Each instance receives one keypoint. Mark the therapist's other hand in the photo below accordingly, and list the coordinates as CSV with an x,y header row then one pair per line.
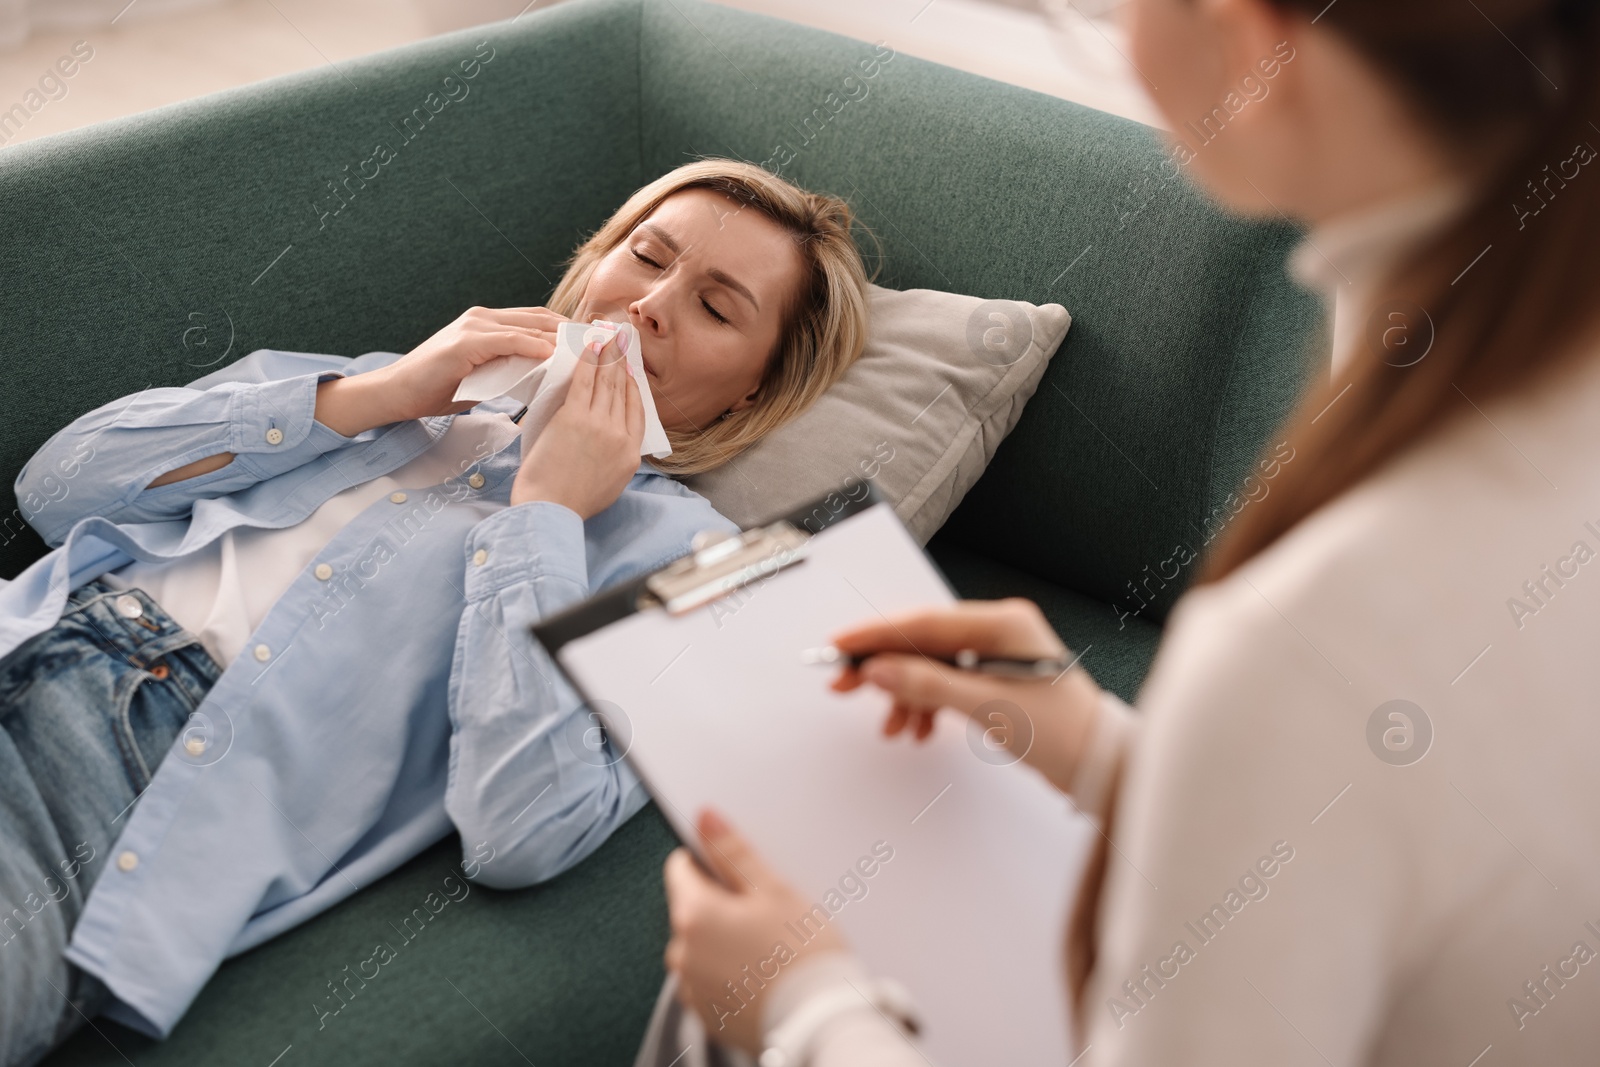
x,y
589,450
722,934
421,382
1055,715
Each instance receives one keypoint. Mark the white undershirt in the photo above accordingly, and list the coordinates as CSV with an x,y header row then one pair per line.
x,y
222,592
1346,261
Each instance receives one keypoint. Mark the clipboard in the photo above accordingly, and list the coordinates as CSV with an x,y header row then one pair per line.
x,y
947,865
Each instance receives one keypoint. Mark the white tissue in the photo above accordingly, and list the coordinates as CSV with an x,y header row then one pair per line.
x,y
542,383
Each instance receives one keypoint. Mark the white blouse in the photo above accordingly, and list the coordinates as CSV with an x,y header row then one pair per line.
x,y
1394,706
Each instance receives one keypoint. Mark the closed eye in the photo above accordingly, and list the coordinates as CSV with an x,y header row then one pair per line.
x,y
713,312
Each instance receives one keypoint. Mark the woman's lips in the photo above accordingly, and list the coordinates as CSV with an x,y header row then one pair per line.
x,y
648,369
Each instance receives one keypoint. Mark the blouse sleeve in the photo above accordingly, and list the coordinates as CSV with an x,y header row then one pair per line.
x,y
1244,920
530,772
261,408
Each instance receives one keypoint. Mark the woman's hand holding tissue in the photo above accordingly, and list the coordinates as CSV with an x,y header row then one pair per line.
x,y
420,383
584,458
423,381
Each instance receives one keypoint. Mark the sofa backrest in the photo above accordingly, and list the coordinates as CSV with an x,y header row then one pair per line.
x,y
1188,342
144,250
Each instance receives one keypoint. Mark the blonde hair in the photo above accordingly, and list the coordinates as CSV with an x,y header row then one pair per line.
x,y
824,325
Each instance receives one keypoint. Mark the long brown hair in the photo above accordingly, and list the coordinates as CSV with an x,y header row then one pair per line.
x,y
825,325
1511,289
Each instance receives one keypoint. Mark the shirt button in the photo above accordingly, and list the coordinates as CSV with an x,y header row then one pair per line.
x,y
397,498
274,436
480,557
263,653
475,480
127,861
323,572
128,606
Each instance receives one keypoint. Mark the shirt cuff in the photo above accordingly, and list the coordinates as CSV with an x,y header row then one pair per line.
x,y
1111,738
833,1002
275,429
806,978
538,539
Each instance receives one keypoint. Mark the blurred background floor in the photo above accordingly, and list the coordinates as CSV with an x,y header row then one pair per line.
x,y
148,53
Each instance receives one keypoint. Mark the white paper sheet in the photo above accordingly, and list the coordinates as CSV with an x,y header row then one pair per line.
x,y
542,384
718,710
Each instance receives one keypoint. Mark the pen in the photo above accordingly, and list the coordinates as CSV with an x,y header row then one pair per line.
x,y
966,659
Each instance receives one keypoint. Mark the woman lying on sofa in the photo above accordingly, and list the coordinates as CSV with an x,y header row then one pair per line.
x,y
281,644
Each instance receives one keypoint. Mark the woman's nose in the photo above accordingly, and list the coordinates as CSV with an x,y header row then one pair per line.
x,y
647,316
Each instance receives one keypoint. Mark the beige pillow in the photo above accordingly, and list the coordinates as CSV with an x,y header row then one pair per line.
x,y
942,381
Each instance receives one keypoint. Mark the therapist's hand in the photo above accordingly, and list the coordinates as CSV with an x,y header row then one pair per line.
x,y
718,932
589,450
1043,721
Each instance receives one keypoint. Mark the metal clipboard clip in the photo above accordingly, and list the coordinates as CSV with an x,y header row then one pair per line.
x,y
718,565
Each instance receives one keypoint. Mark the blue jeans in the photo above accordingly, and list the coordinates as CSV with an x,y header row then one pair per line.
x,y
88,709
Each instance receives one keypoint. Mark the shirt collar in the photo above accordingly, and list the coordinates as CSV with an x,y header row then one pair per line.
x,y
1344,258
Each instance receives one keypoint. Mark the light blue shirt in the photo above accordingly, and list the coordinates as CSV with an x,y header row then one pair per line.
x,y
370,713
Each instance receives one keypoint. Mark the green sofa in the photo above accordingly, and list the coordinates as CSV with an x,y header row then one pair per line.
x,y
142,251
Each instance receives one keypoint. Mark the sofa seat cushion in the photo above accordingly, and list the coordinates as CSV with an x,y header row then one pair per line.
x,y
563,973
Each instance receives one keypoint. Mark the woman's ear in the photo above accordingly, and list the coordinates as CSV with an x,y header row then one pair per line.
x,y
746,401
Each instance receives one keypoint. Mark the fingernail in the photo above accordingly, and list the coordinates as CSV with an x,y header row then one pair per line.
x,y
711,823
622,342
